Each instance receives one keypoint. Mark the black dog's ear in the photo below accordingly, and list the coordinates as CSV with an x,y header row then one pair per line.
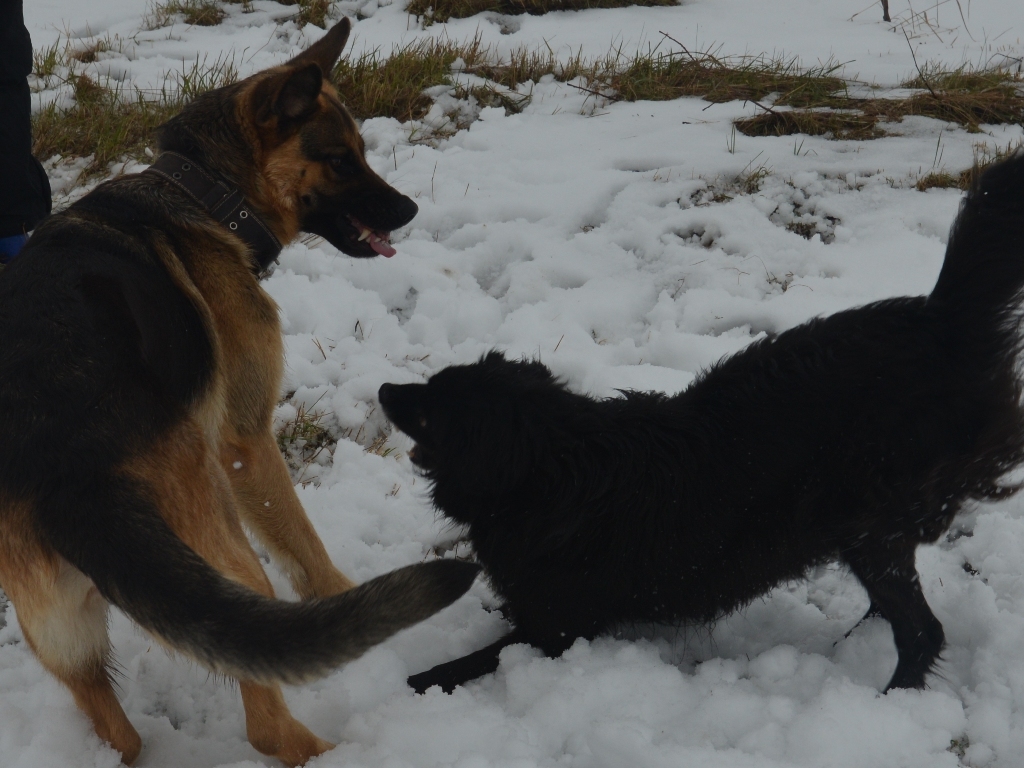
x,y
522,371
326,51
493,359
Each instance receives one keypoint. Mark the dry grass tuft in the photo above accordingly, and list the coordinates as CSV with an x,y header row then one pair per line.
x,y
751,178
47,62
442,10
374,85
201,13
664,76
90,53
302,439
315,12
109,122
941,180
965,96
525,65
379,446
984,156
969,98
821,102
833,124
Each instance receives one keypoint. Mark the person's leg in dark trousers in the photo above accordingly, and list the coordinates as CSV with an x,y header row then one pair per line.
x,y
24,188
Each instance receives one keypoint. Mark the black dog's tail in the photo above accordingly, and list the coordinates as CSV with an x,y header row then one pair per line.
x,y
981,282
139,564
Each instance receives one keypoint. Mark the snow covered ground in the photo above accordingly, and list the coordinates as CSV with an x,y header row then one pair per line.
x,y
612,242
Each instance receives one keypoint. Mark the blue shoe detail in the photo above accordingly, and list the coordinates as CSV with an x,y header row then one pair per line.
x,y
11,247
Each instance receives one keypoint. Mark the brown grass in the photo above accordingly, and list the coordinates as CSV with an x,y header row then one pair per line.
x,y
964,96
525,65
302,439
374,85
88,54
833,124
820,100
942,180
664,76
969,98
984,156
442,10
110,122
313,12
201,13
379,446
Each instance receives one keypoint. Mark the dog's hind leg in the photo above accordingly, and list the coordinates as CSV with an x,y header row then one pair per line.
x,y
64,620
269,725
196,499
894,587
269,505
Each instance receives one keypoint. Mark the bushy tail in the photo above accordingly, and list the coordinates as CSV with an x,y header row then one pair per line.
x,y
982,277
979,303
142,567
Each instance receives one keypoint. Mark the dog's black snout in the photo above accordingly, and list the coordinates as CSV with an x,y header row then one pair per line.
x,y
406,210
386,394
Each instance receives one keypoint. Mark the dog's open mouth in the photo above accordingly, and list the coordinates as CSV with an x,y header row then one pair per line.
x,y
378,242
419,456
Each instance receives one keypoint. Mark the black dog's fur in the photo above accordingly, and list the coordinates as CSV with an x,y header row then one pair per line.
x,y
854,437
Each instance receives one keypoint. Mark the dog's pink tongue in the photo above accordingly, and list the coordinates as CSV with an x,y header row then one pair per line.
x,y
381,246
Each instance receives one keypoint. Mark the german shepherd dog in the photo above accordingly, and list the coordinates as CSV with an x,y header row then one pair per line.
x,y
853,437
139,369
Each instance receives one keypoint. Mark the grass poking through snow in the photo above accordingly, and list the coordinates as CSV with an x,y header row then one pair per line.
x,y
201,13
313,12
664,76
442,10
303,439
984,156
110,122
375,85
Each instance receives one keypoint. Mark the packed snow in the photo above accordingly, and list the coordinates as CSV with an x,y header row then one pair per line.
x,y
613,242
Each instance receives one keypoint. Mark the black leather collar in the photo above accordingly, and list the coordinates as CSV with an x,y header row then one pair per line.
x,y
223,203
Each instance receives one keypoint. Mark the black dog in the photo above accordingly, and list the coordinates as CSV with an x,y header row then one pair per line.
x,y
854,437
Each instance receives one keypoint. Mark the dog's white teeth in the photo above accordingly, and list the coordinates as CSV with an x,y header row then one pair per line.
x,y
364,234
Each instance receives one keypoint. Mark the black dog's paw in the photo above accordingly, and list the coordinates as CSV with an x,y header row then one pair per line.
x,y
426,680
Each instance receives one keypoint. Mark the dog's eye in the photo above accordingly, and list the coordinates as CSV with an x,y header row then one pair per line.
x,y
342,165
423,421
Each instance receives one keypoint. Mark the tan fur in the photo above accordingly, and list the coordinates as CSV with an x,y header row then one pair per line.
x,y
286,174
217,469
203,495
290,175
64,620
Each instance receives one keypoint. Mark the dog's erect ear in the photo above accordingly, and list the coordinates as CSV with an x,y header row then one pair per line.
x,y
327,49
298,93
